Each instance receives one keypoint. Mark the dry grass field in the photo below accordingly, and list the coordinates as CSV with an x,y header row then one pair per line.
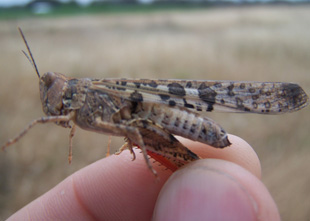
x,y
247,43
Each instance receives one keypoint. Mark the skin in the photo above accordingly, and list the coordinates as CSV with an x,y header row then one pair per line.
x,y
226,187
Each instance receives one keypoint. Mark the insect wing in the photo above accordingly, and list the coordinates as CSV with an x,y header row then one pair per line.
x,y
204,96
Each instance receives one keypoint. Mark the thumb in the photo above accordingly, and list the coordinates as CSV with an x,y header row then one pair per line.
x,y
214,190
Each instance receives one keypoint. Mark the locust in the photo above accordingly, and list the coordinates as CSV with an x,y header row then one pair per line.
x,y
149,113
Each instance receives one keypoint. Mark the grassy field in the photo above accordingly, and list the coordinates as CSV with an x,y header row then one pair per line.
x,y
257,43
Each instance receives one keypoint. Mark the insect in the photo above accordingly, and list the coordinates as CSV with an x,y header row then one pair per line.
x,y
148,113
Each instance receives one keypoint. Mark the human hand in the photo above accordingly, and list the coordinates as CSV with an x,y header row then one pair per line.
x,y
115,188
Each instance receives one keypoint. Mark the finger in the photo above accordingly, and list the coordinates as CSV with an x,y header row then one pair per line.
x,y
213,189
239,152
113,188
113,184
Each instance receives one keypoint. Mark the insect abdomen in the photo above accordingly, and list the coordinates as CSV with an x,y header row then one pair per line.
x,y
189,125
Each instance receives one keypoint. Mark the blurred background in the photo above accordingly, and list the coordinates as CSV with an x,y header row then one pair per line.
x,y
219,40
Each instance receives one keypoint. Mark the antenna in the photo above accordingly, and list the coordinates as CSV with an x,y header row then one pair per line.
x,y
31,59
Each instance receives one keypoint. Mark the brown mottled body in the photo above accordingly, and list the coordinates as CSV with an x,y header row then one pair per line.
x,y
150,112
147,125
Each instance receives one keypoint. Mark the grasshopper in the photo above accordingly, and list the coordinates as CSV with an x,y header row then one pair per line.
x,y
148,113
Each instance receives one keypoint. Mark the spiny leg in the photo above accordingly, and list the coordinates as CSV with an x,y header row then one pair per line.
x,y
132,134
130,148
123,147
41,120
138,140
72,131
117,128
136,136
162,146
127,145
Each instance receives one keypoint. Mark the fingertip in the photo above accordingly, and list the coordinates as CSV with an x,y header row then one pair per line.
x,y
239,152
214,190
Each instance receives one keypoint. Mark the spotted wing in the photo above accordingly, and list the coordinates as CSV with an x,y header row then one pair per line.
x,y
203,96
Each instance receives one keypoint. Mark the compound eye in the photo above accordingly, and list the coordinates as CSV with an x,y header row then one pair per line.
x,y
51,92
48,79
